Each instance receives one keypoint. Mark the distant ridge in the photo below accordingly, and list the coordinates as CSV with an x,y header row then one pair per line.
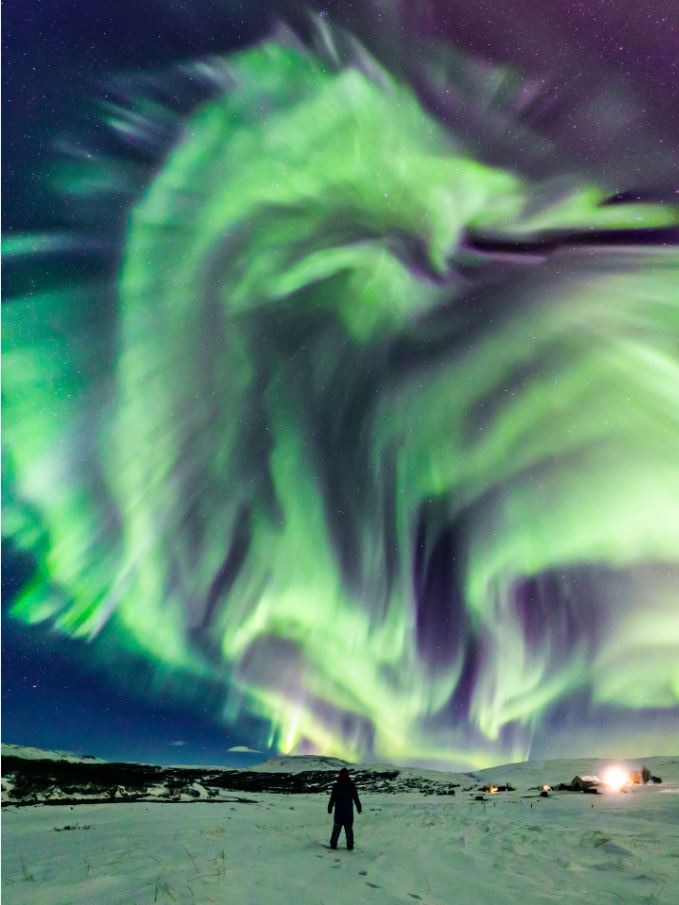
x,y
35,776
300,763
29,753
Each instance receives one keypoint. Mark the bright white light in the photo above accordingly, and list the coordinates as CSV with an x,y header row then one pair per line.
x,y
615,778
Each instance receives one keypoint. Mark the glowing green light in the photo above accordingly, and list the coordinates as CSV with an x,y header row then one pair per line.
x,y
305,222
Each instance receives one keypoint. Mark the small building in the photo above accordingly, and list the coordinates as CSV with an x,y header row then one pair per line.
x,y
581,783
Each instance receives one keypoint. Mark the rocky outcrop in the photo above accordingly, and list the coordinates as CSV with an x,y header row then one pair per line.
x,y
37,781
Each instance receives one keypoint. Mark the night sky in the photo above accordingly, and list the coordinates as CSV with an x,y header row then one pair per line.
x,y
341,380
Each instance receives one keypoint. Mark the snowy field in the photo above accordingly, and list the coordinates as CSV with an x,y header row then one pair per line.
x,y
569,848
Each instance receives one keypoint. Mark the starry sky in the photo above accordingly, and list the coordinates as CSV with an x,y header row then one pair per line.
x,y
341,368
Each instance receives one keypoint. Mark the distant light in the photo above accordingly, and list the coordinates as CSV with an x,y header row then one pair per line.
x,y
615,778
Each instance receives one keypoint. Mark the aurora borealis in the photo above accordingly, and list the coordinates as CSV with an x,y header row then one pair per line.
x,y
371,429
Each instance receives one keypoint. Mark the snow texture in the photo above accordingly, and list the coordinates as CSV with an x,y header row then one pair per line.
x,y
512,848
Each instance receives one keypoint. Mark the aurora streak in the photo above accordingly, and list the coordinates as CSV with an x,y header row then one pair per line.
x,y
379,438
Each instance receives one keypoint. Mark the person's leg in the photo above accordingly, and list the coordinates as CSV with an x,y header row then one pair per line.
x,y
336,827
349,830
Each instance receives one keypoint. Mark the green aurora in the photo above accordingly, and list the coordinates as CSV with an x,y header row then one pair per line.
x,y
319,370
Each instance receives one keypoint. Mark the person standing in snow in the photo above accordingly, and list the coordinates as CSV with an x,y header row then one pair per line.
x,y
343,798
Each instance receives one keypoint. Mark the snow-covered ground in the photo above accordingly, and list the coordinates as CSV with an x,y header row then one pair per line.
x,y
513,848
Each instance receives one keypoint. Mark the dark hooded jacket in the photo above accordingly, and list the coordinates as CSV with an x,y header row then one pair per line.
x,y
343,798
